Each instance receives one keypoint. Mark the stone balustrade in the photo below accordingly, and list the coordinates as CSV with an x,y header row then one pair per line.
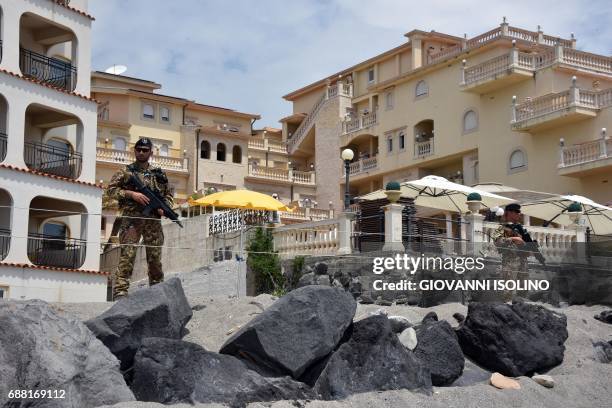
x,y
306,214
585,152
362,165
267,145
279,174
360,123
424,148
310,238
127,156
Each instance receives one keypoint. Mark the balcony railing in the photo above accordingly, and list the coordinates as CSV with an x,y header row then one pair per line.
x,y
554,102
53,71
48,250
268,145
362,122
5,242
424,148
3,146
585,152
306,214
287,175
362,165
127,156
52,160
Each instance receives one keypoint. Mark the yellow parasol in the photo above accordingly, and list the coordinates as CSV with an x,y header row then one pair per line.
x,y
245,199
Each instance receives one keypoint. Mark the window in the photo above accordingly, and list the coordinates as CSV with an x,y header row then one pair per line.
x,y
119,143
421,89
389,100
164,114
147,111
163,150
205,150
236,154
58,232
59,146
518,160
370,75
220,152
389,144
402,141
470,121
3,292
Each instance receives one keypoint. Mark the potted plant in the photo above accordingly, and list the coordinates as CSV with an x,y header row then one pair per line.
x,y
474,202
574,211
392,191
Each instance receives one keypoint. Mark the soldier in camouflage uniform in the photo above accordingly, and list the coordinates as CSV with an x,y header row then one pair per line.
x,y
134,224
509,244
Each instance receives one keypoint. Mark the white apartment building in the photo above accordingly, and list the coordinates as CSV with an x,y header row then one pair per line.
x,y
49,203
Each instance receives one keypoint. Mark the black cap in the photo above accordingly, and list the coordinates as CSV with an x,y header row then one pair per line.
x,y
514,207
144,142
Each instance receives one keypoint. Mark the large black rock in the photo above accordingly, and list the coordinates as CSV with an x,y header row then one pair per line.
x,y
439,351
175,371
299,329
515,340
373,359
161,310
41,349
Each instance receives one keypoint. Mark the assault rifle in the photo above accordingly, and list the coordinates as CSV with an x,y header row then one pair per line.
x,y
530,245
156,200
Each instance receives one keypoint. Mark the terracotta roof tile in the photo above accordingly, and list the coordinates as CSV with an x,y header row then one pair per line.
x,y
25,78
52,268
40,173
63,4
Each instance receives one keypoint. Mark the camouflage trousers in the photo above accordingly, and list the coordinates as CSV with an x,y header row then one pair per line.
x,y
513,268
130,232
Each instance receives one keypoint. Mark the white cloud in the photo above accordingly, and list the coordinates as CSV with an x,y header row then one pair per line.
x,y
245,54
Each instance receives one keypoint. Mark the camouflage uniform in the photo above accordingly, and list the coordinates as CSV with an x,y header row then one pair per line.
x,y
514,260
131,229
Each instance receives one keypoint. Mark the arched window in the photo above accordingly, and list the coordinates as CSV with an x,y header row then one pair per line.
x,y
205,149
220,152
517,159
236,154
470,121
119,143
421,89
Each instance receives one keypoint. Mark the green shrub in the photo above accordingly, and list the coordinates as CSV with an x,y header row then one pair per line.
x,y
265,263
297,270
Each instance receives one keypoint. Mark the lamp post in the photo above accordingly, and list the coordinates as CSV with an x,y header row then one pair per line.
x,y
347,156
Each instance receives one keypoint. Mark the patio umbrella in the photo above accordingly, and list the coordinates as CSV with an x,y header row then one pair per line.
x,y
437,192
598,217
244,199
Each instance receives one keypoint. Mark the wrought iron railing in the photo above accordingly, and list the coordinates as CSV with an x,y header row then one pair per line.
x,y
5,242
53,71
49,250
52,160
3,145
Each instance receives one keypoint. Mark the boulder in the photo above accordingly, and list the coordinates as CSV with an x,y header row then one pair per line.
x,y
603,351
320,268
323,280
605,316
409,338
515,340
439,351
399,323
176,371
458,317
306,280
299,329
161,310
41,349
373,359
430,317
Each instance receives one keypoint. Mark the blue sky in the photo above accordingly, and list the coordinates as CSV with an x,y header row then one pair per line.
x,y
246,55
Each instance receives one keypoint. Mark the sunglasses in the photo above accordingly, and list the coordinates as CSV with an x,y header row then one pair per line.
x,y
141,150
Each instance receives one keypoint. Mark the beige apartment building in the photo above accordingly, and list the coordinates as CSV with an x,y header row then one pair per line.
x,y
513,106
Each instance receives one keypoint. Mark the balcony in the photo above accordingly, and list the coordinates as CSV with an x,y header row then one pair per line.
x,y
501,71
52,71
560,108
424,148
49,250
52,160
124,157
360,123
585,158
282,176
3,146
5,242
362,166
301,214
268,145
